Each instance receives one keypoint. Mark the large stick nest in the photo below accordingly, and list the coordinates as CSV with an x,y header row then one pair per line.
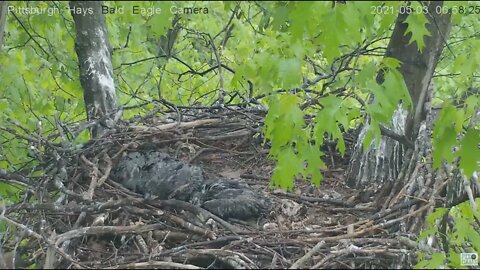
x,y
75,215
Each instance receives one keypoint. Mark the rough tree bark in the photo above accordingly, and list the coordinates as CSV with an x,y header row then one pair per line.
x,y
94,58
395,170
3,20
379,166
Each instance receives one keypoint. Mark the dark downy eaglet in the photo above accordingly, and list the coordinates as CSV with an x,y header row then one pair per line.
x,y
158,175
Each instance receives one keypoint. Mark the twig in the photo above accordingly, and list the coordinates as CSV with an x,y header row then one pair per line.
x,y
99,230
94,178
300,263
31,232
152,264
175,125
195,209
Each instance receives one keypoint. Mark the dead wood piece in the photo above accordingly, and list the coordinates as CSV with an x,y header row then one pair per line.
x,y
234,259
300,263
191,227
196,210
163,127
99,230
230,135
159,264
94,178
216,243
322,200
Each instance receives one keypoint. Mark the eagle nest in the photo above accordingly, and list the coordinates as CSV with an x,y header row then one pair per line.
x,y
189,189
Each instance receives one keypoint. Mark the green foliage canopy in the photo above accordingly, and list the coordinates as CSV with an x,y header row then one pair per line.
x,y
304,60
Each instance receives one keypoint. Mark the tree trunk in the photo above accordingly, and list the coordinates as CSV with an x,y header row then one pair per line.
x,y
3,20
94,58
395,170
165,49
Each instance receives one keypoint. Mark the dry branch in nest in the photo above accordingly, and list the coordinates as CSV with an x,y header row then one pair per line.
x,y
80,214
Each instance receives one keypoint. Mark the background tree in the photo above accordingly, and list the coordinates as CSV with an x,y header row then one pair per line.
x,y
95,65
417,59
3,20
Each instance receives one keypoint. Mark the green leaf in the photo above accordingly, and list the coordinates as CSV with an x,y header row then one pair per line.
x,y
438,259
416,25
328,119
474,237
367,140
331,37
283,123
442,145
462,226
366,75
160,24
454,259
426,233
227,5
280,16
290,72
469,152
287,168
387,18
314,163
447,126
299,16
396,89
437,213
471,103
391,63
